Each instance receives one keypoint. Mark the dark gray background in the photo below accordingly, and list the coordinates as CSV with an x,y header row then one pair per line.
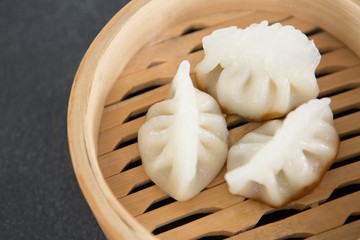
x,y
41,45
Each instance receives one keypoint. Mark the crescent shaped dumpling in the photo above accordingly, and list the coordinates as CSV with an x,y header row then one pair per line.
x,y
183,142
284,159
260,72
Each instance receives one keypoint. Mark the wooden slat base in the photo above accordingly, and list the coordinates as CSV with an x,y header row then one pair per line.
x,y
331,211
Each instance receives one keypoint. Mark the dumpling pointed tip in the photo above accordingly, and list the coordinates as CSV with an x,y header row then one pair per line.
x,y
326,100
264,23
183,73
184,66
183,69
320,102
182,81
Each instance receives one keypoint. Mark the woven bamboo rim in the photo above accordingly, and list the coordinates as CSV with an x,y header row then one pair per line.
x,y
116,49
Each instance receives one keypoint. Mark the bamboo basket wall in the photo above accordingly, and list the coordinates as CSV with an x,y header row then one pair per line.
x,y
128,68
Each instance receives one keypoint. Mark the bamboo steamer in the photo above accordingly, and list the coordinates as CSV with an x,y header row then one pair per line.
x,y
129,66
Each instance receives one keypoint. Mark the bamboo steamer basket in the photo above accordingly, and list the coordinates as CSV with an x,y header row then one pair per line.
x,y
128,67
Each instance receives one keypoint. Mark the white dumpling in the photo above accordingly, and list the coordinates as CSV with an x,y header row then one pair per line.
x,y
260,72
284,159
183,143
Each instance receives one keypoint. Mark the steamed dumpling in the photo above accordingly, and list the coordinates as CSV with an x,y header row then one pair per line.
x,y
183,143
284,159
260,72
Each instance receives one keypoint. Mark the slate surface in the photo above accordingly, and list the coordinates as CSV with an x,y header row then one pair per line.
x,y
41,45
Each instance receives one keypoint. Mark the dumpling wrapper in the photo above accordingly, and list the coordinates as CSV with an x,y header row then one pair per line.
x,y
183,143
260,72
284,159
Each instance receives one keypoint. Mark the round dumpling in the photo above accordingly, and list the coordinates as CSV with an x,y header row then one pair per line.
x,y
284,159
260,72
183,143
